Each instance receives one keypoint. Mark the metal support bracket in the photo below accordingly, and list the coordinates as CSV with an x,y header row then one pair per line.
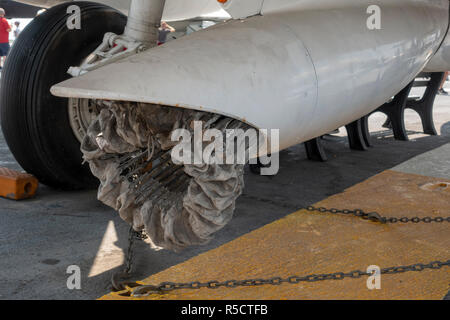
x,y
424,106
141,33
356,135
395,110
112,49
315,150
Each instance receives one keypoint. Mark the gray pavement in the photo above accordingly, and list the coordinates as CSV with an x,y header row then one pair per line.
x,y
434,163
41,237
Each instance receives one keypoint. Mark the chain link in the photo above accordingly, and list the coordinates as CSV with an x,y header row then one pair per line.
x,y
376,217
137,290
373,216
165,287
117,279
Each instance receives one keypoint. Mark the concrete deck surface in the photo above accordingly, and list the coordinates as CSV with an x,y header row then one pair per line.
x,y
305,243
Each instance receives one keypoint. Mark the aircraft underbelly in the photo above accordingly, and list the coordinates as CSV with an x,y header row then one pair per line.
x,y
174,10
303,72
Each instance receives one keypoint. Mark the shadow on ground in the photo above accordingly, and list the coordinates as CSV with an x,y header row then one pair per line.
x,y
301,183
40,238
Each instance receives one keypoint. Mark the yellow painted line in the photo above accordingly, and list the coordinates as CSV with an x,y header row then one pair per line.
x,y
304,243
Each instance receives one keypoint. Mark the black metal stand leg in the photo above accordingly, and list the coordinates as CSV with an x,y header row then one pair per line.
x,y
355,136
398,124
426,115
424,106
315,151
387,124
395,110
365,131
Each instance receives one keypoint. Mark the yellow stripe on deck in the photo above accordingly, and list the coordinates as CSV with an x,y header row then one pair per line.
x,y
304,243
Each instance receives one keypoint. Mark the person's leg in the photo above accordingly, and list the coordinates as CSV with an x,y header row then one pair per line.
x,y
4,48
441,88
6,52
443,80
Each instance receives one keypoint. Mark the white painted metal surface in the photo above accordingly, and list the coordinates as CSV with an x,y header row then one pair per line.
x,y
174,9
141,33
305,71
187,9
239,9
441,60
144,18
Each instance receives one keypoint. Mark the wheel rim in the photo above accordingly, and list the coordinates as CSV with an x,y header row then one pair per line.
x,y
82,112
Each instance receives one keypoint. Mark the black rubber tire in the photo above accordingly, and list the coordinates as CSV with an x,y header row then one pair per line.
x,y
34,122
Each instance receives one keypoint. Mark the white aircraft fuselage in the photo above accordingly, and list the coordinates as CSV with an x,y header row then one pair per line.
x,y
174,9
305,67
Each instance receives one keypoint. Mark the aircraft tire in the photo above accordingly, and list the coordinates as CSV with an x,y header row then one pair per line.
x,y
36,124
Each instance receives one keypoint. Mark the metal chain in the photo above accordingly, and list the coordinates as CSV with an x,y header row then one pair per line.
x,y
373,216
142,291
117,278
130,252
376,217
137,290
